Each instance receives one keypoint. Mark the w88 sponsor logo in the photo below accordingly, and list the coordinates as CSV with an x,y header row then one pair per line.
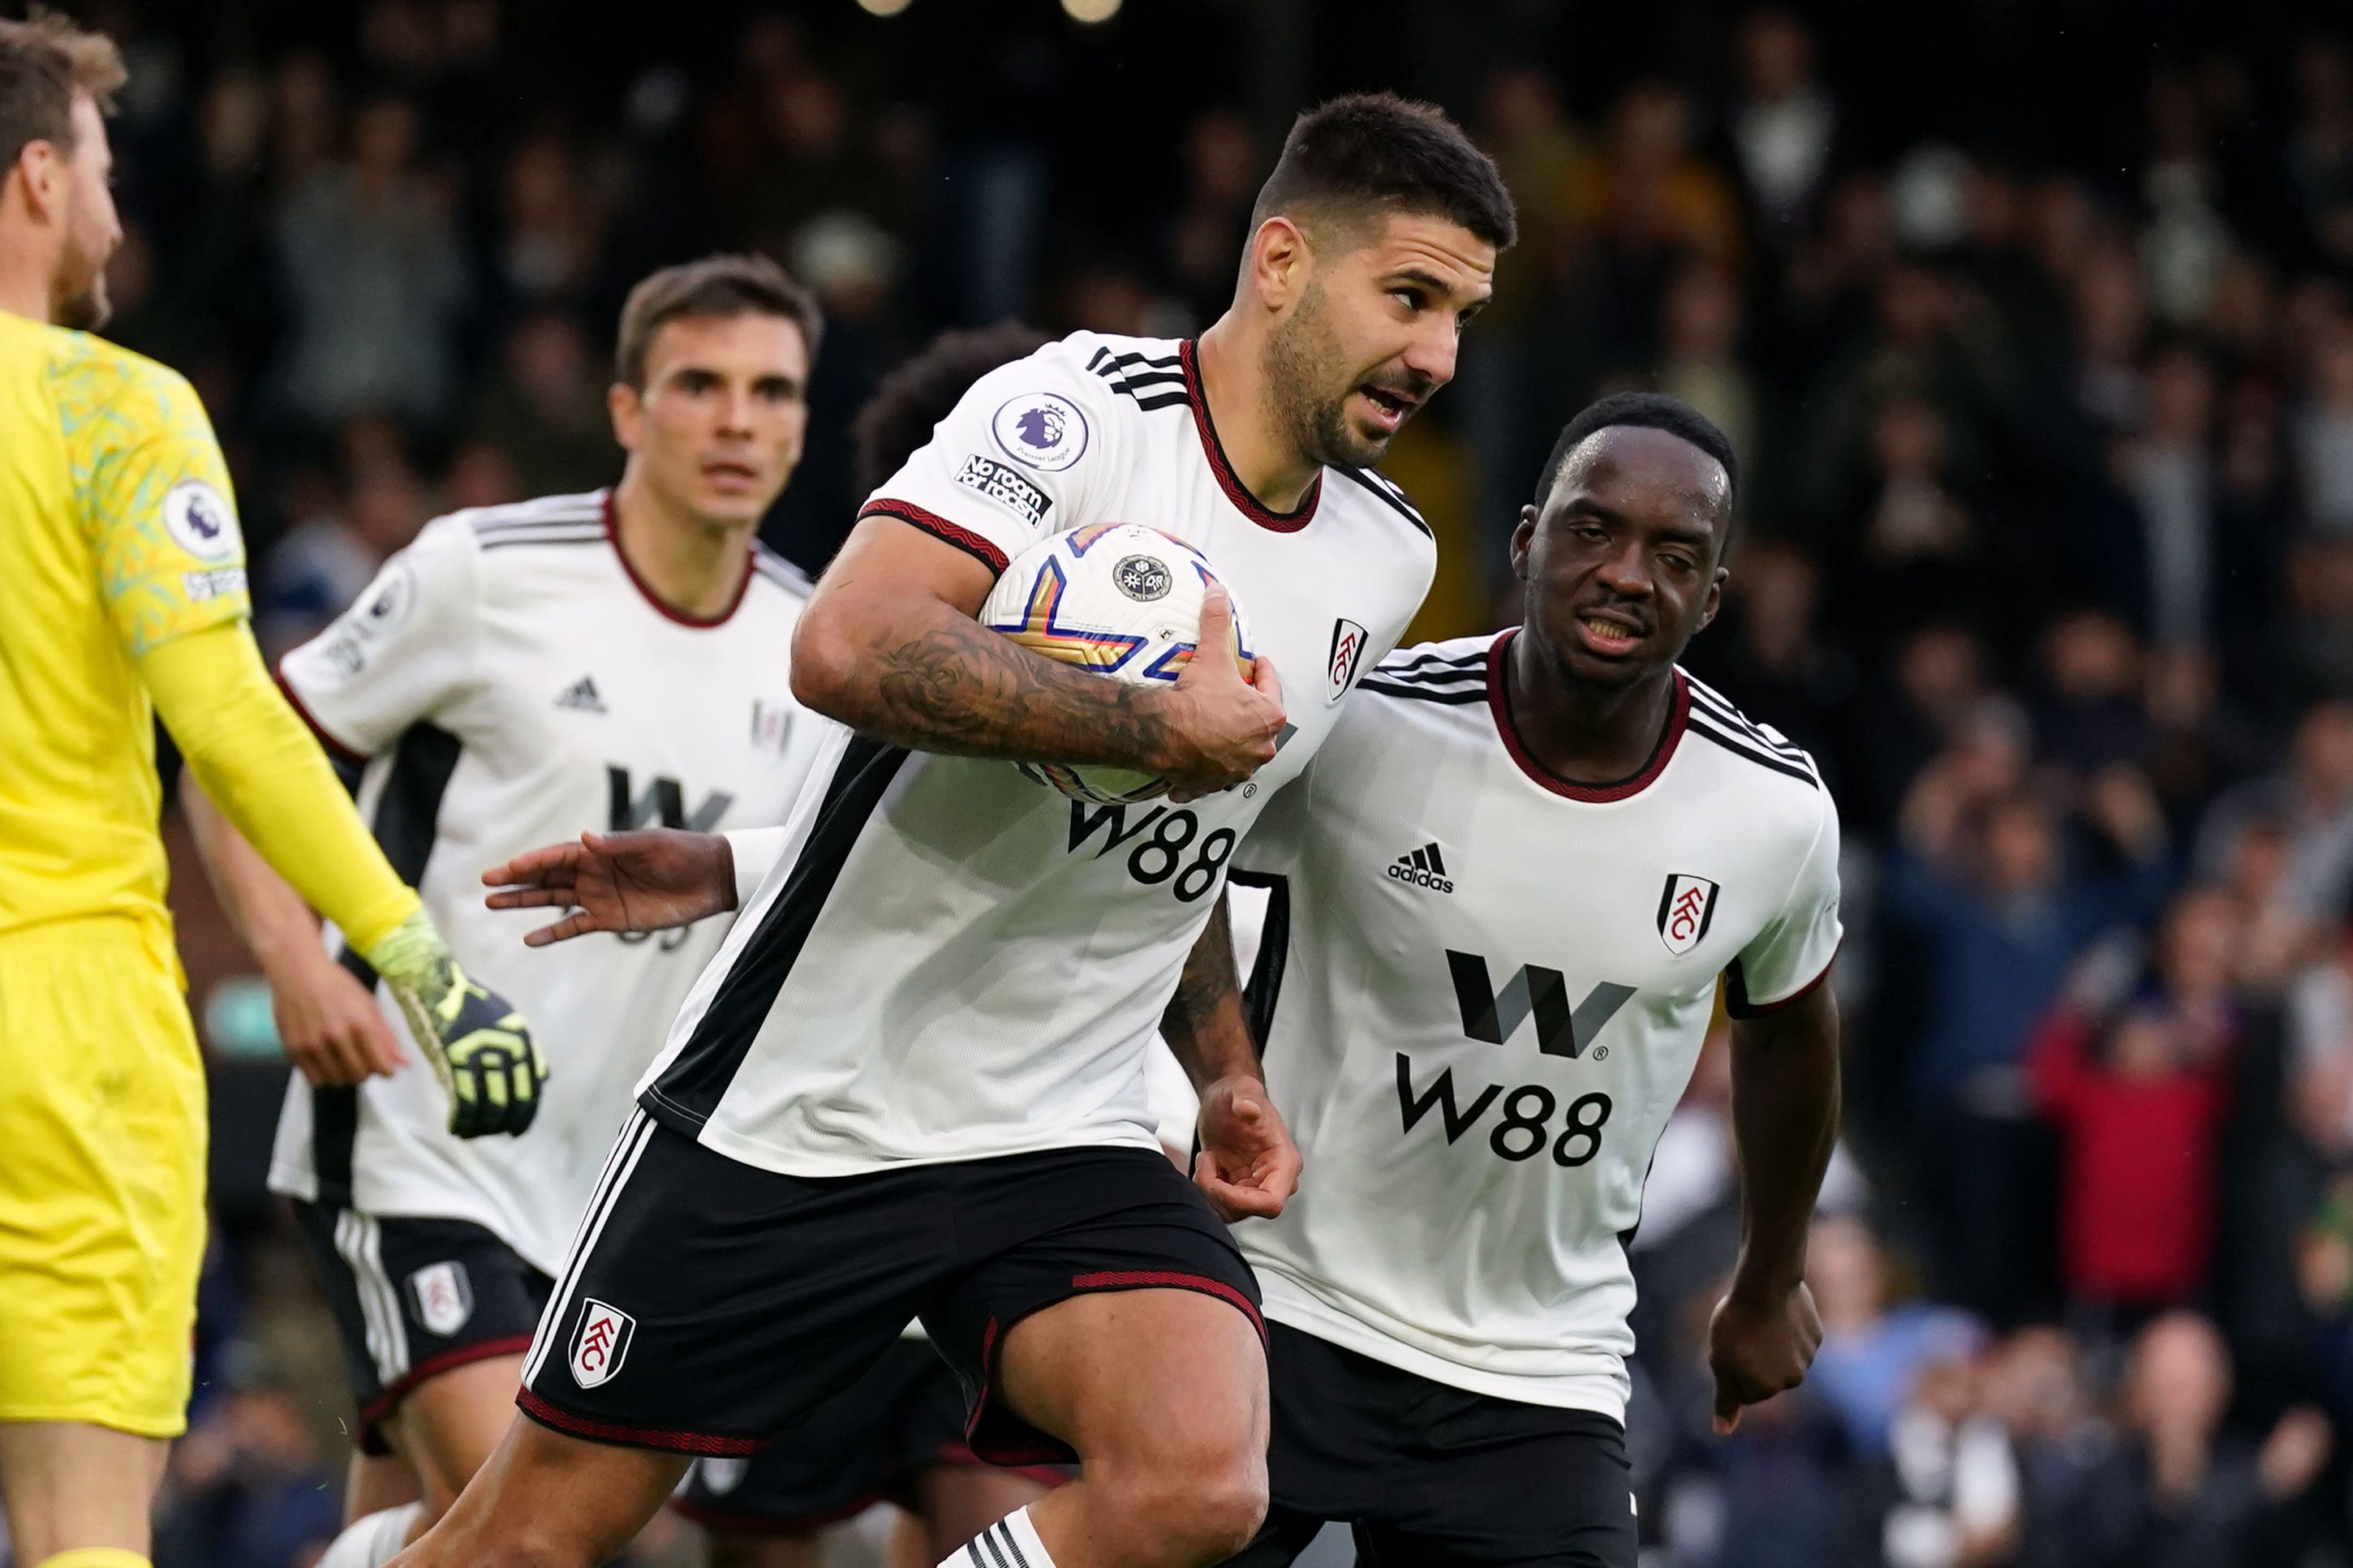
x,y
1160,845
1523,1127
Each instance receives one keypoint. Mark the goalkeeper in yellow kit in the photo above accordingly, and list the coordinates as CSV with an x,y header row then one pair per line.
x,y
121,596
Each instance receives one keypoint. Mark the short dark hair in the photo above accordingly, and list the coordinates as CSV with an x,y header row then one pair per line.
x,y
45,62
1378,150
1651,410
717,286
924,391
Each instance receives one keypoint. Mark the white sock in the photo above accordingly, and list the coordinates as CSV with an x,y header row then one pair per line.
x,y
374,1540
1012,1542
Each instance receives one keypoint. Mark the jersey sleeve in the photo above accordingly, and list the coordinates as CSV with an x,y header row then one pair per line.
x,y
400,653
152,495
1027,454
1793,952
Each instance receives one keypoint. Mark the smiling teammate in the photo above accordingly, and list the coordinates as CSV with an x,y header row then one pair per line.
x,y
1555,841
122,597
913,1081
520,673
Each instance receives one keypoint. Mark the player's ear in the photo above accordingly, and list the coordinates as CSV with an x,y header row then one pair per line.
x,y
39,172
627,407
1278,262
1521,538
1714,597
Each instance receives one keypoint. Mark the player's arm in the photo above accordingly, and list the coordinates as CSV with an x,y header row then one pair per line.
x,y
256,761
889,645
152,495
1785,1118
327,1021
1248,1166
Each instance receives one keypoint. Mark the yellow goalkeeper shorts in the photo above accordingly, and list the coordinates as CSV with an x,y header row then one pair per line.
x,y
101,1177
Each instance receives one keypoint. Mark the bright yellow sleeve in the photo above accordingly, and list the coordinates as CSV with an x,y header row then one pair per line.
x,y
153,495
266,774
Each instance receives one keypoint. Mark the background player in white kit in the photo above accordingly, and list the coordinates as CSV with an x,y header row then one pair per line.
x,y
913,1081
1501,899
520,673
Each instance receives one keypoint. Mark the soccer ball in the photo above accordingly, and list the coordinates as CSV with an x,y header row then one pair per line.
x,y
1116,598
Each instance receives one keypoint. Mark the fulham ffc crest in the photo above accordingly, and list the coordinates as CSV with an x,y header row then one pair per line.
x,y
1347,653
1685,907
601,1345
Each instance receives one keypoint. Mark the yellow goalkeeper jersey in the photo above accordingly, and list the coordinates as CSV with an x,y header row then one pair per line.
x,y
117,534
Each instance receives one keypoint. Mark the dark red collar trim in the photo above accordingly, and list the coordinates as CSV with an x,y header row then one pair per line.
x,y
1499,701
1212,449
612,537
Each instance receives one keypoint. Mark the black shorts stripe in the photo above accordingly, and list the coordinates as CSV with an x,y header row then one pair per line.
x,y
688,1091
1389,496
1700,725
1003,1535
1265,983
634,1133
408,819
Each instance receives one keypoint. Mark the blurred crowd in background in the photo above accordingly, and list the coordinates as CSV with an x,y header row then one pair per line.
x,y
2036,341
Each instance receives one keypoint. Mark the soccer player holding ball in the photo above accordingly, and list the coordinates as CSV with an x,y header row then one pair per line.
x,y
122,597
912,1083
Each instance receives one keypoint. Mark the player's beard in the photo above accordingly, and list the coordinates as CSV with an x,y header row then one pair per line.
x,y
1303,358
78,300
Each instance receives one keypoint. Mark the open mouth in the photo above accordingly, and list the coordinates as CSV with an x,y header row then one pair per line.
x,y
1389,408
732,475
1608,637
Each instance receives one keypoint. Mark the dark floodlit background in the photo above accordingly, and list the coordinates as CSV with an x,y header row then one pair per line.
x,y
2033,324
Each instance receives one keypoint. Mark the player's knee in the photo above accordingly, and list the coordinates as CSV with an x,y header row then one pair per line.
x,y
1201,1502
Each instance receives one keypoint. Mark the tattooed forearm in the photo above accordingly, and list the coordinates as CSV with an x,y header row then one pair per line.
x,y
953,686
1203,1022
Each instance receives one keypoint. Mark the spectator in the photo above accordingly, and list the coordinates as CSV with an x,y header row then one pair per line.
x,y
2168,473
2137,1100
1873,1348
2181,1491
1783,127
547,411
2323,438
2311,801
375,281
2035,1386
316,571
2003,915
1956,1486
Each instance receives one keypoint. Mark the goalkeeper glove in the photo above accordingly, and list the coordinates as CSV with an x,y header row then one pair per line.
x,y
480,1047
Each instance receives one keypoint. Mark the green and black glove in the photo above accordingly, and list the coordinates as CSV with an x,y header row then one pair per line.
x,y
480,1047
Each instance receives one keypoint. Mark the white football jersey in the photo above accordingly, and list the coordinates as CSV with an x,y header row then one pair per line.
x,y
513,684
1482,991
949,962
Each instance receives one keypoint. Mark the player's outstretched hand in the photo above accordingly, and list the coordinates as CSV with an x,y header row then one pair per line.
x,y
1248,1167
329,1023
650,880
1759,1345
1222,727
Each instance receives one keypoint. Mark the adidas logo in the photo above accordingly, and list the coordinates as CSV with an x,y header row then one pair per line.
x,y
582,694
1425,867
